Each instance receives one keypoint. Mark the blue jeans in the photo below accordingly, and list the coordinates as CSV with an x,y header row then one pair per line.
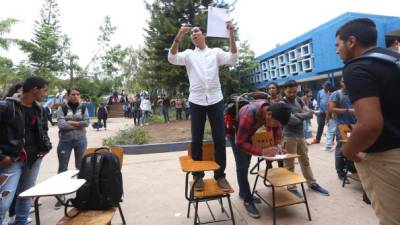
x,y
215,115
64,152
145,117
242,160
11,176
306,129
165,114
330,133
27,180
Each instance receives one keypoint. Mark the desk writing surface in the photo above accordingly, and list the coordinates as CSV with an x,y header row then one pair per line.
x,y
60,184
279,157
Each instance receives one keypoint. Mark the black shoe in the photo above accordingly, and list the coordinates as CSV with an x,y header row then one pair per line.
x,y
199,185
317,188
344,177
366,199
251,209
224,184
296,192
254,199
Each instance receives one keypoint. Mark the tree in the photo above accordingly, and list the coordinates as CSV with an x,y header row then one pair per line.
x,y
5,27
45,49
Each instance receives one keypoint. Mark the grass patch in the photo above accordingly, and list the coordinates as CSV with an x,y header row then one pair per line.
x,y
128,136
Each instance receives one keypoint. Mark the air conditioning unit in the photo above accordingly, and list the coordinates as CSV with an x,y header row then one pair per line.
x,y
282,59
294,68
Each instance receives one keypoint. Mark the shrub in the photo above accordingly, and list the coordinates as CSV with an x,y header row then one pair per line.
x,y
128,136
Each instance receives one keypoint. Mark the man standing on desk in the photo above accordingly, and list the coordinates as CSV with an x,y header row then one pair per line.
x,y
23,143
205,96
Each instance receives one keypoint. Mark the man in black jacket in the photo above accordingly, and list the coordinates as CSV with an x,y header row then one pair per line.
x,y
23,143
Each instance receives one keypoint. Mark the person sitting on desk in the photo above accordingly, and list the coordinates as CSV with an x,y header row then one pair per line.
x,y
251,117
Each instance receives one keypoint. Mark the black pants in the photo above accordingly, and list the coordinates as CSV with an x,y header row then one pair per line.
x,y
178,113
242,160
136,116
321,123
215,115
104,122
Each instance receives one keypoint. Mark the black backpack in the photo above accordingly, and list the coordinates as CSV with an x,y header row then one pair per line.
x,y
237,101
103,188
380,56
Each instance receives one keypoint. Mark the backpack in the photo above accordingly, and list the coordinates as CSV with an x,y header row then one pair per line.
x,y
380,56
97,125
237,101
65,109
103,188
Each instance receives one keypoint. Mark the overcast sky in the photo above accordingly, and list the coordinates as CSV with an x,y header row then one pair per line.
x,y
264,23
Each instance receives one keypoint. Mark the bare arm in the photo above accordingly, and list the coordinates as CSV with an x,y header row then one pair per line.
x,y
232,40
333,109
367,129
175,45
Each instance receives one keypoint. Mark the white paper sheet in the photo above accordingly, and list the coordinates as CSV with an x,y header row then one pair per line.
x,y
216,25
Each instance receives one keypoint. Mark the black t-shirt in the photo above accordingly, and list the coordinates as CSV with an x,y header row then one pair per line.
x,y
31,129
374,77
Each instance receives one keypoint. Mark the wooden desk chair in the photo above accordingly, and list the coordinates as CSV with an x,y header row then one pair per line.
x,y
211,189
276,178
345,131
95,217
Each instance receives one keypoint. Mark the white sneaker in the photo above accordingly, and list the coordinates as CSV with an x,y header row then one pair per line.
x,y
11,220
29,220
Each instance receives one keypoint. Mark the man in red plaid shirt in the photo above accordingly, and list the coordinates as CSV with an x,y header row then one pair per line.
x,y
251,117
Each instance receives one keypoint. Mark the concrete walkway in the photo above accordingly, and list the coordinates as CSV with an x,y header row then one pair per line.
x,y
154,191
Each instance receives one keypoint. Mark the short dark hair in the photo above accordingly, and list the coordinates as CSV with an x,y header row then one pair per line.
x,y
280,112
307,90
273,83
363,29
34,82
73,89
203,30
290,84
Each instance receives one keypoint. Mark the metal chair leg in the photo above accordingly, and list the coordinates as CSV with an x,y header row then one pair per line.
x,y
196,207
122,214
188,210
230,208
306,202
273,205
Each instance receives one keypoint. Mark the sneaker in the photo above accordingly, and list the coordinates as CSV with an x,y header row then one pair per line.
x,y
29,220
342,177
317,188
296,192
315,141
329,149
224,184
199,186
251,209
254,199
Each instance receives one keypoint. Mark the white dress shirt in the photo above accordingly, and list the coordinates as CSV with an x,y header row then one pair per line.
x,y
202,69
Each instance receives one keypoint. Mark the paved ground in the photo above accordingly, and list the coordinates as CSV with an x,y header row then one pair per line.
x,y
154,191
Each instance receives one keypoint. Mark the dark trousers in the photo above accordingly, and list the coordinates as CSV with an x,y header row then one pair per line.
x,y
104,122
187,113
136,116
341,163
242,160
178,113
215,115
321,124
165,114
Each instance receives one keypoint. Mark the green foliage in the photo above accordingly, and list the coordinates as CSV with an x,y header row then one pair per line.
x,y
129,136
45,49
5,27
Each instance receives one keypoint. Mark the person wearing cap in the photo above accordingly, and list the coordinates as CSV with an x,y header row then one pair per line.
x,y
322,107
250,118
205,94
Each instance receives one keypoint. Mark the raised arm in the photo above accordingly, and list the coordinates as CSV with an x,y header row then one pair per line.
x,y
232,40
175,45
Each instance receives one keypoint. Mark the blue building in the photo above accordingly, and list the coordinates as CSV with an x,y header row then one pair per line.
x,y
311,58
